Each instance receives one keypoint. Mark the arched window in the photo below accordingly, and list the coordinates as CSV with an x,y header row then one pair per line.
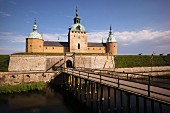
x,y
78,46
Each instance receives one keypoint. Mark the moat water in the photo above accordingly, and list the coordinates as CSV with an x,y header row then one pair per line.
x,y
48,101
58,100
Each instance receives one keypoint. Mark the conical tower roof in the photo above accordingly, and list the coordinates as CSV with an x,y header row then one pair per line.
x,y
111,38
35,34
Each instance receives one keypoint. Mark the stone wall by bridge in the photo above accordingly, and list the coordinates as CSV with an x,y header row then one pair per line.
x,y
13,78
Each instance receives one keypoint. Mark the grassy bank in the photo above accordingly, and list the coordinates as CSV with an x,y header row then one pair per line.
x,y
23,87
123,61
4,62
40,53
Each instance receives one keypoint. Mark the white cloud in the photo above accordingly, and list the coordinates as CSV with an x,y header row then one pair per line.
x,y
129,42
143,35
4,14
10,50
8,36
145,41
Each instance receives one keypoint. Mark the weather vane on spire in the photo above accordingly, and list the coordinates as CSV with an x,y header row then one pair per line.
x,y
34,21
76,11
110,27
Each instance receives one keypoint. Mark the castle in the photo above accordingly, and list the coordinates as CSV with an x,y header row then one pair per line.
x,y
77,41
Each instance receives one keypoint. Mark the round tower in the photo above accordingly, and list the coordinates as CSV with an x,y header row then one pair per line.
x,y
111,44
34,42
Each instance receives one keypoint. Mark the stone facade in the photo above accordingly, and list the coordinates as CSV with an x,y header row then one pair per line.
x,y
78,41
34,45
112,48
11,78
41,63
27,63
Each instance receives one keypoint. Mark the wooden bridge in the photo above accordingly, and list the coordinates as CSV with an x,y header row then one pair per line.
x,y
140,85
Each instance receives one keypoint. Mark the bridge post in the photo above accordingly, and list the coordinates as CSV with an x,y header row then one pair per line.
x,y
80,90
97,98
137,104
152,106
108,99
92,86
76,86
100,77
115,106
118,81
145,105
79,73
101,99
72,84
127,76
85,87
89,90
128,103
121,101
149,82
160,107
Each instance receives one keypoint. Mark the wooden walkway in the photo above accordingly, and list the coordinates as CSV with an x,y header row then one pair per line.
x,y
144,89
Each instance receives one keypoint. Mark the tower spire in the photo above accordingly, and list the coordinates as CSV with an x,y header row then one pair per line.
x,y
111,38
35,21
76,11
110,29
35,25
76,19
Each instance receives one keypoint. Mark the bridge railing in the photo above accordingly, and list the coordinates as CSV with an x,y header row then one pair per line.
x,y
140,84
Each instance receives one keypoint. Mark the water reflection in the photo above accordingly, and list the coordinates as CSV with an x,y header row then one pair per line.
x,y
34,102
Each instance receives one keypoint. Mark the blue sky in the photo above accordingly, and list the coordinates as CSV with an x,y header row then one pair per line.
x,y
139,26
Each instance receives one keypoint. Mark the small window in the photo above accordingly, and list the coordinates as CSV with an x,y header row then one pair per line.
x,y
99,48
79,37
46,47
78,46
40,46
88,48
30,45
93,48
53,47
114,46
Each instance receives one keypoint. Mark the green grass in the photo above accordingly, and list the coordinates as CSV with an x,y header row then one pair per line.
x,y
123,61
40,53
23,87
4,62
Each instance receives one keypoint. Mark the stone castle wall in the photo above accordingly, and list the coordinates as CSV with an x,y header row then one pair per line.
x,y
27,63
42,63
11,78
32,63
